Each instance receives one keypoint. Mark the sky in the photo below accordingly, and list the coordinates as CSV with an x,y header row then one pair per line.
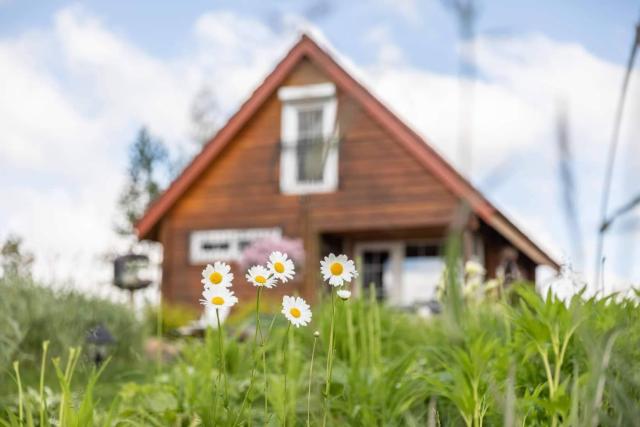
x,y
78,79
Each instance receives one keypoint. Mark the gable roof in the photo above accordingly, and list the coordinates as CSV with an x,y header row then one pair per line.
x,y
403,134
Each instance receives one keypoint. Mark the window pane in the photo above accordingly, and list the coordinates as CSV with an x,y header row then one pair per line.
x,y
215,246
206,246
243,244
376,266
422,250
310,145
421,271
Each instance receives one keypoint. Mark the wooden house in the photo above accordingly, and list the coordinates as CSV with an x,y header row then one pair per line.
x,y
313,154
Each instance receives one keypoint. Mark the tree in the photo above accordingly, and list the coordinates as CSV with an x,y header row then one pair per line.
x,y
205,115
147,159
14,260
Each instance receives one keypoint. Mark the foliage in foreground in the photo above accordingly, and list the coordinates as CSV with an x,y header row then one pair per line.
x,y
532,362
31,314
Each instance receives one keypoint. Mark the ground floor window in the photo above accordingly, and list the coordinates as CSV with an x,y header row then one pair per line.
x,y
206,246
401,272
422,269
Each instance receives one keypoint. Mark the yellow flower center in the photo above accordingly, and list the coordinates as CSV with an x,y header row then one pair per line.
x,y
217,300
278,267
261,279
336,269
295,312
215,278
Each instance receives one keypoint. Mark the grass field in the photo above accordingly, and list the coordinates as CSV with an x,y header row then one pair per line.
x,y
520,360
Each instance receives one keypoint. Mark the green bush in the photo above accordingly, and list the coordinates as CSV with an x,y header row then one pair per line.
x,y
172,317
31,314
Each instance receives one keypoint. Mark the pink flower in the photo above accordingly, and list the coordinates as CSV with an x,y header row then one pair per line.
x,y
257,253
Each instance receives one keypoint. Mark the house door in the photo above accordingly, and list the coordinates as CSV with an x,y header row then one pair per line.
x,y
403,273
379,269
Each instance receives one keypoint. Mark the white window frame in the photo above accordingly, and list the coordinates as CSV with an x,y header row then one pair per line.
x,y
394,287
392,283
408,299
295,98
231,236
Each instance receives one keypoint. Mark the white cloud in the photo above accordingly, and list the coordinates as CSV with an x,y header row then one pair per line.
x,y
516,99
539,71
388,52
75,93
234,50
407,9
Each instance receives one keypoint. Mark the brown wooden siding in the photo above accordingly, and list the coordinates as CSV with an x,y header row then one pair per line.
x,y
381,187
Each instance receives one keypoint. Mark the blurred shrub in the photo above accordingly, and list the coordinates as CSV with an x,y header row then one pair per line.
x,y
173,316
31,314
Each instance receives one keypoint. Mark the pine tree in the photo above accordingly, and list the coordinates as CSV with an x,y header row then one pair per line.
x,y
14,260
205,115
147,159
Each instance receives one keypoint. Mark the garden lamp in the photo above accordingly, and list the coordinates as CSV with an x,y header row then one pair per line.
x,y
99,339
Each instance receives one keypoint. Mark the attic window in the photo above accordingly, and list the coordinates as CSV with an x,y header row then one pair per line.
x,y
309,156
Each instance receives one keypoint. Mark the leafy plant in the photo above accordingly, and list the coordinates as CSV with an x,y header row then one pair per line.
x,y
523,360
31,314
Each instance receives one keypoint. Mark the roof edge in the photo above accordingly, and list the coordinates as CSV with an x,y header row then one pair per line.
x,y
418,146
146,226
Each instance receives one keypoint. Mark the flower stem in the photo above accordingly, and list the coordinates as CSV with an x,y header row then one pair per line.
x,y
313,352
66,380
45,346
210,344
329,360
273,319
263,351
255,361
16,368
352,341
286,371
222,367
159,336
266,381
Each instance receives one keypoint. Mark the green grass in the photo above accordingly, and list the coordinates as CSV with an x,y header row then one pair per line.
x,y
31,314
533,362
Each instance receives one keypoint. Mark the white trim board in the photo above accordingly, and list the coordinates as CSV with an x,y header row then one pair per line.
x,y
224,244
294,99
300,93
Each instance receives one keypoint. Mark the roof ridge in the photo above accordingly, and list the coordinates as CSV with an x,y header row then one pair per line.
x,y
408,137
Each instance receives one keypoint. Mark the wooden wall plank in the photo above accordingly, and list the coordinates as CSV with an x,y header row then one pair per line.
x,y
381,187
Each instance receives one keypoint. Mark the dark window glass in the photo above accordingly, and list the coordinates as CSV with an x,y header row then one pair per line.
x,y
422,250
375,264
310,146
211,246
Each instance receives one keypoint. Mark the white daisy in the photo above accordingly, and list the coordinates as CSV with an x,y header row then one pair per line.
x,y
260,276
337,269
474,268
344,294
217,275
218,297
296,310
281,266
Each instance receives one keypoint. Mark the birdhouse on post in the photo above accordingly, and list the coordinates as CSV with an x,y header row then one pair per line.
x,y
131,272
